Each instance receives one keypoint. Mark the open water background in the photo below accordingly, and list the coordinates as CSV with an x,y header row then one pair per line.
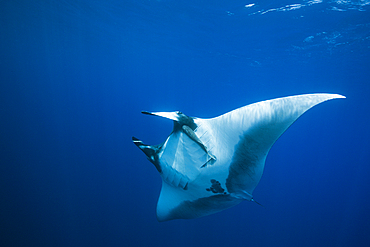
x,y
74,76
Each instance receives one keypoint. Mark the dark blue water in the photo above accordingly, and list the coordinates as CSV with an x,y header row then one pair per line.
x,y
76,74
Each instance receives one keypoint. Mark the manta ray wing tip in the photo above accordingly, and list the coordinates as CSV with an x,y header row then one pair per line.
x,y
146,113
336,96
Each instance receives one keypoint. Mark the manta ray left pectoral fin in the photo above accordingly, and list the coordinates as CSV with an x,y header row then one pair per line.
x,y
181,156
188,126
169,115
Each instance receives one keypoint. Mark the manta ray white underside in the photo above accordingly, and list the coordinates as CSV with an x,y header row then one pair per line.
x,y
208,165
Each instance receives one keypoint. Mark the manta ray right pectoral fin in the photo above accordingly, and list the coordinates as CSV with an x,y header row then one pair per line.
x,y
190,133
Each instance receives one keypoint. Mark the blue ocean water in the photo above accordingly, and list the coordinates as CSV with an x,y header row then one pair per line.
x,y
76,74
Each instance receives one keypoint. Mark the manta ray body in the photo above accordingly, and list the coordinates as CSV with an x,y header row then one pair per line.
x,y
208,165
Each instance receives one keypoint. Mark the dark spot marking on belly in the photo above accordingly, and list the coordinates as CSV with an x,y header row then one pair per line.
x,y
216,187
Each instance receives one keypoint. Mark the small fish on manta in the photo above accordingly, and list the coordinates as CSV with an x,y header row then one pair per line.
x,y
208,165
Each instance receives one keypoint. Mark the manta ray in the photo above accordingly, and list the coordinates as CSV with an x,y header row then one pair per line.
x,y
208,165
